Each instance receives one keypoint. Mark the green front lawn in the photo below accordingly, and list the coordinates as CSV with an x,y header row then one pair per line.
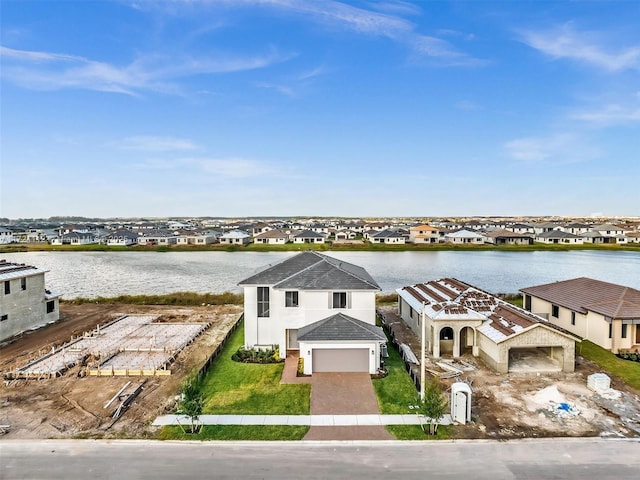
x,y
237,432
396,391
231,387
625,370
243,388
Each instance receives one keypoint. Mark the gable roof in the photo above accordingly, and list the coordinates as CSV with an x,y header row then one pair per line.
x,y
314,271
463,234
584,294
340,327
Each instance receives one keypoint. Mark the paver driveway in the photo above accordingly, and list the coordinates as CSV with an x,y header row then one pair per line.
x,y
344,394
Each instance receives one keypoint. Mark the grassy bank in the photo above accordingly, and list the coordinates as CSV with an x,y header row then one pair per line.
x,y
292,247
178,298
625,370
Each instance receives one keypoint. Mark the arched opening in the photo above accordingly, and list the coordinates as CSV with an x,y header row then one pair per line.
x,y
466,340
446,340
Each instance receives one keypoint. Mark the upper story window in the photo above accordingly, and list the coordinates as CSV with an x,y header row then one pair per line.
x,y
7,287
527,302
263,301
290,299
23,283
573,318
339,300
555,311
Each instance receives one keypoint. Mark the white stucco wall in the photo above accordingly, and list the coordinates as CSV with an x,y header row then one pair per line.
x,y
312,306
25,309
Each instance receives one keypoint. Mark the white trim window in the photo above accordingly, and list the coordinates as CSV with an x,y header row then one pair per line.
x,y
291,299
263,302
339,300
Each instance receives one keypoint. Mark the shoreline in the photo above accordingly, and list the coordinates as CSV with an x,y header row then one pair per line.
x,y
17,248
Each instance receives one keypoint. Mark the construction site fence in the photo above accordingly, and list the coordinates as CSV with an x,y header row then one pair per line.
x,y
203,370
408,366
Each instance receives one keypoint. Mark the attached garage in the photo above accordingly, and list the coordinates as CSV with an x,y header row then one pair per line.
x,y
341,344
340,360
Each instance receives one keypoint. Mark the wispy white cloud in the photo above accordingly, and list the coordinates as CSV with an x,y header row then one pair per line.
x,y
554,149
283,89
54,71
609,115
146,143
565,42
231,167
382,20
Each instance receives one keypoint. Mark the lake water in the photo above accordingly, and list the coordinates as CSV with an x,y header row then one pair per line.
x,y
92,274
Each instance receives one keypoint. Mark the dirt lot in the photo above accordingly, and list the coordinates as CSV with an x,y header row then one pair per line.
x,y
526,405
72,406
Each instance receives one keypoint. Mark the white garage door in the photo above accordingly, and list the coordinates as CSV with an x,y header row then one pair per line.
x,y
341,360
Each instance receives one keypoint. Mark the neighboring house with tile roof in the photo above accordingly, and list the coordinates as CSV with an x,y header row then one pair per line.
x,y
235,237
271,237
464,237
25,303
388,237
309,236
558,236
423,234
459,318
122,237
507,237
329,302
604,313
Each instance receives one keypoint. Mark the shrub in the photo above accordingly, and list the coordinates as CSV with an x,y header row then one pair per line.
x,y
257,355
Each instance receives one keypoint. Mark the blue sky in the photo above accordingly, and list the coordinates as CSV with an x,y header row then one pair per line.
x,y
320,108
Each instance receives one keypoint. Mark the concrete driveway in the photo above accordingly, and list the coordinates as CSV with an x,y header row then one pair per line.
x,y
344,394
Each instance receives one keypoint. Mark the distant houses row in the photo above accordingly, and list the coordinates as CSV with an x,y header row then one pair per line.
x,y
280,233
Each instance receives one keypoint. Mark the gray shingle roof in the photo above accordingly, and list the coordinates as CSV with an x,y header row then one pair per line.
x,y
340,327
314,271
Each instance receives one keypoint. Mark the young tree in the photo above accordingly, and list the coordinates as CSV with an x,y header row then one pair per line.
x,y
192,401
434,405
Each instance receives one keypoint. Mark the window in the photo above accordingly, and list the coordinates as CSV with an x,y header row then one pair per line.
x,y
610,330
51,306
263,301
23,283
624,330
555,311
527,302
290,299
7,287
4,317
339,299
573,318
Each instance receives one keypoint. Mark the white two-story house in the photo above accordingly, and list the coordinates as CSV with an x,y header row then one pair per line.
x,y
321,306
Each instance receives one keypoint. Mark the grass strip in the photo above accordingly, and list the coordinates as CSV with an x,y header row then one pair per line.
x,y
237,432
625,370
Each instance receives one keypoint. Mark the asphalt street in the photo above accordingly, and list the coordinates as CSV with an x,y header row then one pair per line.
x,y
538,459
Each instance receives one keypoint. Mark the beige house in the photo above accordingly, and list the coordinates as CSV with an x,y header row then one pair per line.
x,y
424,234
603,313
462,319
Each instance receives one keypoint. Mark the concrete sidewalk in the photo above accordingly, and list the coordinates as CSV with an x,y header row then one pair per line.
x,y
310,420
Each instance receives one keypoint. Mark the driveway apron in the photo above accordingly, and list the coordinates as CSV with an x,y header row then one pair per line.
x,y
344,394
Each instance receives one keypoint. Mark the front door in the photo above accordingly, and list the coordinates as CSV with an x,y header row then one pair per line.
x,y
292,340
637,333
